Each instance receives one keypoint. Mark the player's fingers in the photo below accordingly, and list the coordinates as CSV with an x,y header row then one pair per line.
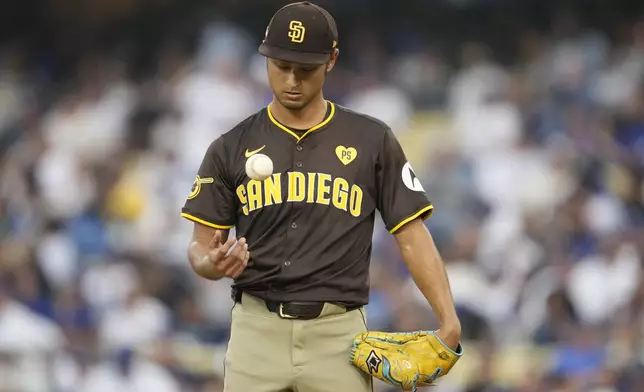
x,y
219,258
222,260
238,252
246,255
223,250
235,270
237,258
216,240
222,266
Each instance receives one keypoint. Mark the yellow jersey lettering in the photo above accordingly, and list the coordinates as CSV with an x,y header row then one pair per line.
x,y
273,190
254,195
340,193
356,201
310,194
296,186
319,188
323,189
241,194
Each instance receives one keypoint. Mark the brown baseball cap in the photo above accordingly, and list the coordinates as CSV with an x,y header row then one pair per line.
x,y
300,32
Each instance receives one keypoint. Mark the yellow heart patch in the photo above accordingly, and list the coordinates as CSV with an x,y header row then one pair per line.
x,y
346,155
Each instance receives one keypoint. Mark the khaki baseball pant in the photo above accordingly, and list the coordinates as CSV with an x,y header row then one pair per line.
x,y
269,354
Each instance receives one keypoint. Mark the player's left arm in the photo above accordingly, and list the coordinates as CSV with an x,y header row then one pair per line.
x,y
426,268
404,205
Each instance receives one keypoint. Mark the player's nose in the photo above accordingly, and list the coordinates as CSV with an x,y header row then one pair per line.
x,y
291,80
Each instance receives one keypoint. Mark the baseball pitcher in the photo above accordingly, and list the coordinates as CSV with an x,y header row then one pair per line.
x,y
300,258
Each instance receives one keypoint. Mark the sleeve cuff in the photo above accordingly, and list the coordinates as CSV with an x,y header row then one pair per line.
x,y
423,213
205,222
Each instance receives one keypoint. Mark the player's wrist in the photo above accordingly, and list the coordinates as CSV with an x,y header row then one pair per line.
x,y
450,334
452,325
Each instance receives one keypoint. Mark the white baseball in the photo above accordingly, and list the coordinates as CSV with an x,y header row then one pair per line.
x,y
259,167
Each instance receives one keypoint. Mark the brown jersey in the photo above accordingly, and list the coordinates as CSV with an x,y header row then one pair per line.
x,y
309,226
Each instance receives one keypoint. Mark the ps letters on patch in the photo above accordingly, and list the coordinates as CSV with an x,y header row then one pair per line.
x,y
346,155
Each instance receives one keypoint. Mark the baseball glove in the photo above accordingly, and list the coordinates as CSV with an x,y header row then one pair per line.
x,y
408,360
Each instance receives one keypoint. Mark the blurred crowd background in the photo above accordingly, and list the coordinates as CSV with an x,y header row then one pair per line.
x,y
524,120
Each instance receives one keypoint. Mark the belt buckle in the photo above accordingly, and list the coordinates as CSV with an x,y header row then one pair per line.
x,y
284,315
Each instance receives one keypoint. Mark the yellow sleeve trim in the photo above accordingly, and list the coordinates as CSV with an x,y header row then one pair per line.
x,y
203,222
424,210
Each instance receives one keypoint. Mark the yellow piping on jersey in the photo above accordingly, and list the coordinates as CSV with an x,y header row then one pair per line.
x,y
203,222
299,139
429,209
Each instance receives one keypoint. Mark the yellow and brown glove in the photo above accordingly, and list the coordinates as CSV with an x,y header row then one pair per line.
x,y
408,360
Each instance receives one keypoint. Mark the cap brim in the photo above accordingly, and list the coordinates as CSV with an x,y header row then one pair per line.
x,y
294,56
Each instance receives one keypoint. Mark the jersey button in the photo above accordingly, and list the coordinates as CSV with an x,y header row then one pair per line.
x,y
298,148
287,263
298,164
294,225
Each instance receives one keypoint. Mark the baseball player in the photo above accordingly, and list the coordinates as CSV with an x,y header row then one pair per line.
x,y
300,259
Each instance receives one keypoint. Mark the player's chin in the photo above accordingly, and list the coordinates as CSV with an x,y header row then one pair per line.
x,y
293,102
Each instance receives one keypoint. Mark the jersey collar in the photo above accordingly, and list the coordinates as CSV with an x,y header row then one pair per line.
x,y
295,135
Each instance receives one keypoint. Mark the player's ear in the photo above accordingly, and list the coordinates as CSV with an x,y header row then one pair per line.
x,y
331,63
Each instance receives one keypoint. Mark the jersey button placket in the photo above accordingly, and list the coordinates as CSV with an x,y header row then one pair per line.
x,y
298,164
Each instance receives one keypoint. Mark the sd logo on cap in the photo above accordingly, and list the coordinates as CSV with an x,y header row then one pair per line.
x,y
300,32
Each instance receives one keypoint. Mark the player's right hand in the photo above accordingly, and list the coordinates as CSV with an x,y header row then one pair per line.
x,y
226,262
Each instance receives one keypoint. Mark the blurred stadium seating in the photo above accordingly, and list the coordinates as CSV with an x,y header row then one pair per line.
x,y
524,120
